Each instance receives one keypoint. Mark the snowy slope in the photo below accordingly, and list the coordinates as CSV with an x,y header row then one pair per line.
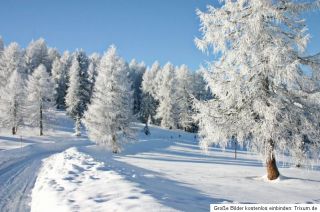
x,y
165,171
19,166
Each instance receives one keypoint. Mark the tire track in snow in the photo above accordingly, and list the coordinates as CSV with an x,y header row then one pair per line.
x,y
17,183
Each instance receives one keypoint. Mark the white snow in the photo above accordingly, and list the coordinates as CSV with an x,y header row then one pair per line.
x,y
165,171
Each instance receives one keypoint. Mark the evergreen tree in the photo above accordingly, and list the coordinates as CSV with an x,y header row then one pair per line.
x,y
167,110
73,100
149,103
92,70
136,72
261,93
10,61
40,98
36,54
11,102
110,112
59,77
183,95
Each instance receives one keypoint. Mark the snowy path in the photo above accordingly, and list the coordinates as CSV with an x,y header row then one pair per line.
x,y
19,167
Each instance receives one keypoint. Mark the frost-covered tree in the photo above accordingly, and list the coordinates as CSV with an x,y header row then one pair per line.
x,y
149,103
92,70
37,53
167,110
183,97
110,112
261,94
75,104
11,60
53,54
136,72
78,93
40,98
59,77
11,102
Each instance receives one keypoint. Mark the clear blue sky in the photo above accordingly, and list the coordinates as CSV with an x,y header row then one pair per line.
x,y
147,30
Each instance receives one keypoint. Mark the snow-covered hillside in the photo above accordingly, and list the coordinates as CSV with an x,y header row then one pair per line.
x,y
165,171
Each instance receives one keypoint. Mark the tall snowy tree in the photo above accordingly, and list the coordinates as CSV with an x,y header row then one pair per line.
x,y
78,93
53,54
11,102
92,70
74,103
149,103
59,77
36,54
110,112
167,110
136,72
40,98
11,60
183,95
261,93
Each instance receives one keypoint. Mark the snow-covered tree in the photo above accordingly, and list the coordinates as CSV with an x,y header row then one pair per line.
x,y
73,100
59,77
53,54
78,93
11,60
40,98
36,54
11,102
136,72
261,93
183,97
92,70
110,112
167,110
149,103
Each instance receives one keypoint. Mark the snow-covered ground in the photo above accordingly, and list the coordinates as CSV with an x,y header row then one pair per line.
x,y
165,171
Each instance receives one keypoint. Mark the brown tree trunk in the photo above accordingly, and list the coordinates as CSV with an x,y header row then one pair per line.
x,y
114,145
41,125
272,169
14,131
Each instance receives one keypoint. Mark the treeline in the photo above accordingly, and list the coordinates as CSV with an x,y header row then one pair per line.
x,y
38,78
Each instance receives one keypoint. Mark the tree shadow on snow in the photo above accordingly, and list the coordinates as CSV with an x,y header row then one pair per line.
x,y
171,193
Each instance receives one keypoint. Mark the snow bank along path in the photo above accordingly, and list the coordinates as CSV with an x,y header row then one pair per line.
x,y
19,167
74,181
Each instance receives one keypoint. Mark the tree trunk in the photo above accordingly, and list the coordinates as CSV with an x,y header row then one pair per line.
x,y
14,131
235,149
272,169
115,149
40,123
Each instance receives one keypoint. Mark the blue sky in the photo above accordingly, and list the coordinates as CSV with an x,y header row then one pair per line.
x,y
147,30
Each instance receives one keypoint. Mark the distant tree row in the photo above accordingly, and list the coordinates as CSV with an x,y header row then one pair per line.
x,y
96,90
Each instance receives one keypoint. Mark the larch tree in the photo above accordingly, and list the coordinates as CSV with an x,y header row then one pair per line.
x,y
149,103
262,96
167,110
40,98
110,112
135,75
59,77
12,102
11,60
78,93
183,95
92,70
37,53
73,100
